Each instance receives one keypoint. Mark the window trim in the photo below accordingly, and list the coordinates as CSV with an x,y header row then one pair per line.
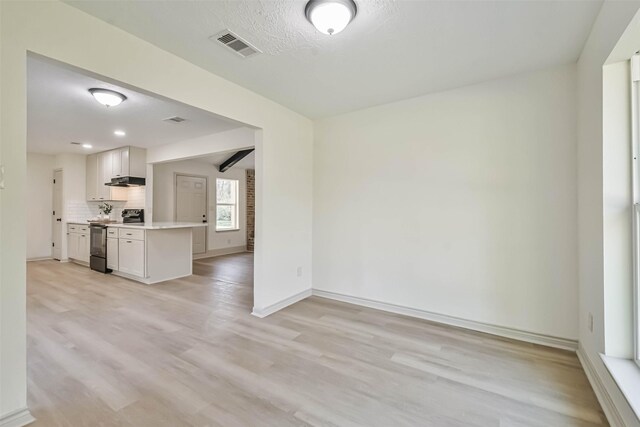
x,y
236,220
635,211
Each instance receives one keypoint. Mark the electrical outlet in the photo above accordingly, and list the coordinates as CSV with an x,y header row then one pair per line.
x,y
590,322
228,241
299,271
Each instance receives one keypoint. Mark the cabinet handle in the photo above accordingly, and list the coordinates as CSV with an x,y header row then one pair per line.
x,y
128,241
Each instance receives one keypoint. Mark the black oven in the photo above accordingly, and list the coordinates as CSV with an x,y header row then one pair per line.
x,y
98,248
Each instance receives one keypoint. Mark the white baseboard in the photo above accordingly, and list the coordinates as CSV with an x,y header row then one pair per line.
x,y
606,401
502,331
44,258
265,311
219,252
17,418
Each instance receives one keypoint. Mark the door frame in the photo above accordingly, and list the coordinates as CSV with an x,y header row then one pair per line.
x,y
62,227
206,202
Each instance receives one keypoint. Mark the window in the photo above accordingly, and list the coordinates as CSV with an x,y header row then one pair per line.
x,y
226,204
635,182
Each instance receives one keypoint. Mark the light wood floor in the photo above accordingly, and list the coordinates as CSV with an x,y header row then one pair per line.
x,y
105,351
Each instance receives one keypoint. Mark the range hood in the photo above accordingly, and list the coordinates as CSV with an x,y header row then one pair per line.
x,y
126,181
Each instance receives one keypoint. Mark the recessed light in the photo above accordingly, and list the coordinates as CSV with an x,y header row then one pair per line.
x,y
106,97
330,16
119,133
87,146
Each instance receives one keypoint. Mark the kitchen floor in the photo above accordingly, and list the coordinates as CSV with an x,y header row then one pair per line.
x,y
105,351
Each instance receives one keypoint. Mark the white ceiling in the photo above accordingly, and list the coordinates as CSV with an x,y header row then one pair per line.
x,y
61,110
218,158
392,50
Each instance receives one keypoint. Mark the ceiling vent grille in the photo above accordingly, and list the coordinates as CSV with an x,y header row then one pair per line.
x,y
174,119
236,44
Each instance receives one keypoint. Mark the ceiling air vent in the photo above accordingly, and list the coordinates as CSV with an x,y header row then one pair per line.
x,y
174,119
236,44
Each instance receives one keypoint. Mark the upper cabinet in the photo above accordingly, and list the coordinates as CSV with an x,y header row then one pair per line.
x,y
129,161
120,162
92,177
102,167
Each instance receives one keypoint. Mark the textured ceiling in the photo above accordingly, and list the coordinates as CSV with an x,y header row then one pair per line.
x,y
392,50
61,110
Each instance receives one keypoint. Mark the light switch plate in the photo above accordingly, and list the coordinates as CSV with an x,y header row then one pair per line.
x,y
1,177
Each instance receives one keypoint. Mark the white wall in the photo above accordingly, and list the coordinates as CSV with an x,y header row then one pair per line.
x,y
460,203
39,205
164,199
283,155
597,221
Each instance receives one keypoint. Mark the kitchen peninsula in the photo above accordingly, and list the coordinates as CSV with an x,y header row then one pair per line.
x,y
151,253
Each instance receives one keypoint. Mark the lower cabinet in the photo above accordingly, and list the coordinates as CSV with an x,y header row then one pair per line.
x,y
131,256
72,245
78,243
112,253
83,247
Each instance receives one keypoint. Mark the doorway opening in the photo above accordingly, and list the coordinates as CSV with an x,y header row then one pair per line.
x,y
176,182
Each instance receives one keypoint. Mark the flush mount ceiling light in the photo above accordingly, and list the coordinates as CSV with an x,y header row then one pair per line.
x,y
87,146
106,97
119,133
330,16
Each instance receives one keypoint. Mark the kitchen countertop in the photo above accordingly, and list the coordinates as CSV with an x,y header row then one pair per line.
x,y
159,225
148,226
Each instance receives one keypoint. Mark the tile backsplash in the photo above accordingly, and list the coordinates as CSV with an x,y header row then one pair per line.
x,y
82,210
135,198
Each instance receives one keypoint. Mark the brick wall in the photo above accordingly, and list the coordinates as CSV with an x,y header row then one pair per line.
x,y
251,208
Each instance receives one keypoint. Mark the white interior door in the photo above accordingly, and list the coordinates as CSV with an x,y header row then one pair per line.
x,y
191,206
57,215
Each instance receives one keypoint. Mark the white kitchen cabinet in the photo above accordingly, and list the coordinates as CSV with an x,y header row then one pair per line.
x,y
129,233
153,254
125,162
120,162
72,245
83,247
78,242
112,253
92,177
99,168
129,161
131,257
104,176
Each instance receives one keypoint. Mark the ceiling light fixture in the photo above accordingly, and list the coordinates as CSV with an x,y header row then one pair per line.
x,y
106,97
330,16
87,146
119,133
